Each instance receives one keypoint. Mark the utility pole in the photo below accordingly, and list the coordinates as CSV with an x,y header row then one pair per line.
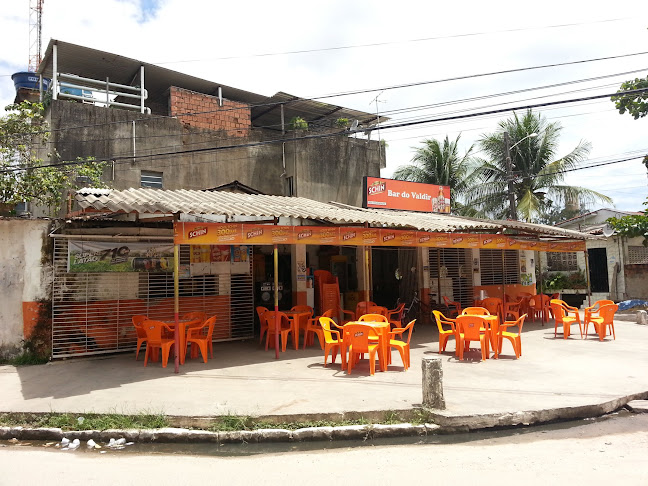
x,y
509,178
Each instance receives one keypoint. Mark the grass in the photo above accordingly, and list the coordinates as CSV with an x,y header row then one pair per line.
x,y
25,358
93,421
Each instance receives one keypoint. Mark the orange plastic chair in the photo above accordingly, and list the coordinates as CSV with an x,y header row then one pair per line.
x,y
493,305
604,320
402,346
373,318
539,306
453,307
156,340
313,326
526,297
202,336
512,309
332,340
356,339
284,327
395,316
139,330
361,308
475,311
260,310
593,311
562,316
515,338
444,334
471,328
377,309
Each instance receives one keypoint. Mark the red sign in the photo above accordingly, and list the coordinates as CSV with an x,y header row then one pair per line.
x,y
411,196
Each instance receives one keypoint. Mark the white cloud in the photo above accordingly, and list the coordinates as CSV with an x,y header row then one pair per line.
x,y
205,32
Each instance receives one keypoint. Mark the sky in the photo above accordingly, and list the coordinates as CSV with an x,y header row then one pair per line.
x,y
450,50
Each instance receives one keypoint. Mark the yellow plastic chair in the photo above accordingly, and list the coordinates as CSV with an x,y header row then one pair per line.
x,y
402,346
357,342
155,340
138,320
514,337
332,340
604,320
471,328
284,328
373,318
444,334
566,315
202,336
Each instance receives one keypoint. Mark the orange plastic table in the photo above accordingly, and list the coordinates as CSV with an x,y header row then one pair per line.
x,y
382,330
297,318
184,325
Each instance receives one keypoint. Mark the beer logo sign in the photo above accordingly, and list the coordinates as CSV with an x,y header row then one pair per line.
x,y
201,231
376,188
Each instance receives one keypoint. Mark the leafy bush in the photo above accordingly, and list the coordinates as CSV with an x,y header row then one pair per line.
x,y
298,123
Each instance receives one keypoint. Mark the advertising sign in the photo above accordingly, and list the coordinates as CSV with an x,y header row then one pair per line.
x,y
411,196
108,256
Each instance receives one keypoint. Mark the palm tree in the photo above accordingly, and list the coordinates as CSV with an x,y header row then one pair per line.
x,y
537,174
440,164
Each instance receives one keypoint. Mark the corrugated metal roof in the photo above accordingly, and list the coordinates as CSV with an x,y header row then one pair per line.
x,y
230,204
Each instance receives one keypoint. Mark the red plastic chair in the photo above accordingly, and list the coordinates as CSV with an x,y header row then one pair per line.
x,y
313,326
471,328
260,310
202,336
453,306
138,320
395,316
155,340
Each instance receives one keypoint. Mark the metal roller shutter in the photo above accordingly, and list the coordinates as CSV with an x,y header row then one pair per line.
x,y
453,267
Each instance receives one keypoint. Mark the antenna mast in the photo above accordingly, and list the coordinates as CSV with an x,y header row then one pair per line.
x,y
35,28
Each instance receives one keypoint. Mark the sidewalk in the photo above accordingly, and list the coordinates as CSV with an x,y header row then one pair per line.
x,y
555,378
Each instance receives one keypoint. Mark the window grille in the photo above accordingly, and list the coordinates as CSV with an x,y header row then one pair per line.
x,y
151,179
494,271
562,261
637,255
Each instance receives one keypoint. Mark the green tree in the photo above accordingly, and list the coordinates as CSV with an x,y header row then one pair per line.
x,y
440,163
635,104
632,225
23,175
538,175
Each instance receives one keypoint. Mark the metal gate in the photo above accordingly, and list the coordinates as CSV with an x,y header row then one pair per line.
x,y
92,312
453,267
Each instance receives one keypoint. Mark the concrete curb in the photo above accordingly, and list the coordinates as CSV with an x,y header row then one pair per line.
x,y
444,423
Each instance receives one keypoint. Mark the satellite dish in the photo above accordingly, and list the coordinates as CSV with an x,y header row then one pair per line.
x,y
354,125
608,230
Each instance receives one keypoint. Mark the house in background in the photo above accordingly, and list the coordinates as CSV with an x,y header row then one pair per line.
x,y
165,129
618,266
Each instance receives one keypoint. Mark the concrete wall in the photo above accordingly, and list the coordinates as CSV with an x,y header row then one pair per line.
x,y
25,278
637,281
323,169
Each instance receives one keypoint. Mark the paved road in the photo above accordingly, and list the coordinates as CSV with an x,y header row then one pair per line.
x,y
595,452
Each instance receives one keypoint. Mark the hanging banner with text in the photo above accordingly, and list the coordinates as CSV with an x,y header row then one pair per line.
x,y
259,234
411,196
108,256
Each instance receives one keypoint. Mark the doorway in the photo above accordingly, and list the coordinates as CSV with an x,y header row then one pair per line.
x,y
597,260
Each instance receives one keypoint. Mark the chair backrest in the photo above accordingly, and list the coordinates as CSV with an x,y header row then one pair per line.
x,y
377,309
372,318
194,315
357,335
361,307
260,310
329,313
138,320
409,328
607,311
541,301
281,317
326,323
558,308
601,303
470,325
519,322
303,308
475,311
441,319
153,330
492,305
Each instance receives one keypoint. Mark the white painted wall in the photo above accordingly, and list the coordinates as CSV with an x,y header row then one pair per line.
x,y
22,276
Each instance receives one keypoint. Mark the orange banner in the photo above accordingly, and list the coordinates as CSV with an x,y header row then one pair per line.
x,y
263,234
411,196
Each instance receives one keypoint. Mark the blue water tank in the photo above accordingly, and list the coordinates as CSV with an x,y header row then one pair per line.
x,y
29,80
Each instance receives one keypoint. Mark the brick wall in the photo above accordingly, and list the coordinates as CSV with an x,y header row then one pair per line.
x,y
202,111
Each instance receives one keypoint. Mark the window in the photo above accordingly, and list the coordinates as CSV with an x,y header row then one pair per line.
x,y
637,255
151,179
499,267
562,261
